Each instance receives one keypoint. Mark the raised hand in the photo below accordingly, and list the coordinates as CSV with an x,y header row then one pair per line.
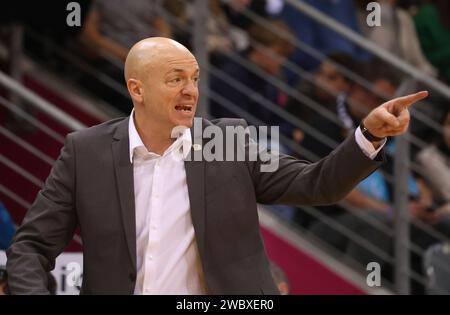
x,y
392,118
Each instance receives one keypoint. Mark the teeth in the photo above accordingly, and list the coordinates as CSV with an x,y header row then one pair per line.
x,y
184,108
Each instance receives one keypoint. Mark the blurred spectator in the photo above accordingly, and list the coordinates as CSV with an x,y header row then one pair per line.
x,y
280,278
235,11
397,34
178,10
352,110
329,83
110,29
222,36
330,79
267,53
7,228
218,41
319,37
113,26
435,169
434,37
330,86
433,110
240,15
362,98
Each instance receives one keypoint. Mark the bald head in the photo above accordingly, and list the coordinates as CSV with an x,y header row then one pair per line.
x,y
162,78
151,52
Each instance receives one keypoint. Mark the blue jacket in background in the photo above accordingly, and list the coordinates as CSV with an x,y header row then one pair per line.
x,y
320,37
7,228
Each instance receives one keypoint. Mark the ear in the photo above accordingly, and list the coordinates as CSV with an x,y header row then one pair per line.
x,y
136,90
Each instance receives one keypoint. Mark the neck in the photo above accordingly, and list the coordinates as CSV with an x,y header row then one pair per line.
x,y
155,137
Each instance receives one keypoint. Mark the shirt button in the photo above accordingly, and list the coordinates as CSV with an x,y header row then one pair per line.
x,y
154,227
150,257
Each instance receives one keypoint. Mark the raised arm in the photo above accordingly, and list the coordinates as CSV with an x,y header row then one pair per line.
x,y
332,178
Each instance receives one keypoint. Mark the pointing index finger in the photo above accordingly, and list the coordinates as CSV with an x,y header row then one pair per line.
x,y
403,102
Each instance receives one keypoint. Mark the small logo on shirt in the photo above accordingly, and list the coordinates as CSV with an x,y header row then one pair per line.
x,y
196,147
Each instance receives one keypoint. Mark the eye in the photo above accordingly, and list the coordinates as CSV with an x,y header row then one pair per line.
x,y
175,80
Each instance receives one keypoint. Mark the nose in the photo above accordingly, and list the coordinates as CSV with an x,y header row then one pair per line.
x,y
190,88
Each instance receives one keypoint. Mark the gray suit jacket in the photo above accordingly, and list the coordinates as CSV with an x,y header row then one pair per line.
x,y
91,186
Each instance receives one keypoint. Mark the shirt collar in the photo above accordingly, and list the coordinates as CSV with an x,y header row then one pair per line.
x,y
183,142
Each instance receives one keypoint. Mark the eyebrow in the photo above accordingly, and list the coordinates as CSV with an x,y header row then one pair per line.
x,y
180,71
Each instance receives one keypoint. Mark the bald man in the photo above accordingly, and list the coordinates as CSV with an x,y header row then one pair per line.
x,y
154,224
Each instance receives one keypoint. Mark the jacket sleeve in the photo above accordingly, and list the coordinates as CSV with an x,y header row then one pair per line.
x,y
296,182
46,229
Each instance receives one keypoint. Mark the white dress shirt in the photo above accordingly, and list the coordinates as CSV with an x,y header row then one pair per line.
x,y
167,259
367,146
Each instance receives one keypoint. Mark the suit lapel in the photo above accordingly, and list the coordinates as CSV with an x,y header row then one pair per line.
x,y
125,185
195,172
195,178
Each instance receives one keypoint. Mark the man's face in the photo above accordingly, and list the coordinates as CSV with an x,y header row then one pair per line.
x,y
239,5
383,87
171,90
331,80
272,59
361,101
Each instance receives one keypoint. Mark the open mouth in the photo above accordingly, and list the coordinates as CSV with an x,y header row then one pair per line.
x,y
184,108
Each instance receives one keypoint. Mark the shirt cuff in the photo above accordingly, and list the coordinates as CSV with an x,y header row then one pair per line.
x,y
367,146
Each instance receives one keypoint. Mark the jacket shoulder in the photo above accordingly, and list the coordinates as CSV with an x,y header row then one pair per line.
x,y
101,131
